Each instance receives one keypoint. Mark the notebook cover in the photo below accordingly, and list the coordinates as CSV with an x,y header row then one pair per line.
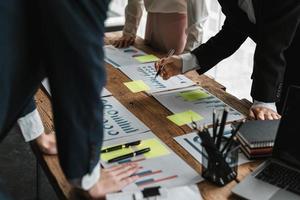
x,y
258,133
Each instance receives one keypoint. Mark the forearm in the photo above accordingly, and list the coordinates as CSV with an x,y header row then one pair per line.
x,y
219,47
31,126
88,180
197,13
270,105
189,62
133,15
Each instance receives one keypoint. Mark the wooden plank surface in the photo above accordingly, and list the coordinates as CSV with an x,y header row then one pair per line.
x,y
153,114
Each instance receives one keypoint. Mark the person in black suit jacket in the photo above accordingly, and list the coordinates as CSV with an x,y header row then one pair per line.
x,y
274,26
60,39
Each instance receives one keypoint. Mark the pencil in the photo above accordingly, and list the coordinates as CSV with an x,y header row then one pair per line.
x,y
230,140
222,126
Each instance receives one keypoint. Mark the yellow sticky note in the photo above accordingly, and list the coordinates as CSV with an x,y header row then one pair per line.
x,y
147,58
113,154
185,117
157,148
137,86
193,95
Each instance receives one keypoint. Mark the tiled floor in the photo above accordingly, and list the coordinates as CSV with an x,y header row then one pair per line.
x,y
18,170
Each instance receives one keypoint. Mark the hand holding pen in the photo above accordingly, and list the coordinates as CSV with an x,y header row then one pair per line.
x,y
169,66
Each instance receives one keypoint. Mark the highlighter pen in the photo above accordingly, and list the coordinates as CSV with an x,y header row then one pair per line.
x,y
121,146
129,155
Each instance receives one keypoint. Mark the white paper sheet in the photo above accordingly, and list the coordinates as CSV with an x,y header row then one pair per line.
x,y
105,93
119,57
169,165
192,144
177,193
204,107
118,121
146,72
46,85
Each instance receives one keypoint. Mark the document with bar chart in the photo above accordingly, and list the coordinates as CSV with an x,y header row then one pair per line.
x,y
118,121
191,142
197,100
146,72
157,166
119,57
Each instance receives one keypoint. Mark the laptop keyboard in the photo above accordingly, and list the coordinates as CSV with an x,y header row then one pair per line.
x,y
282,177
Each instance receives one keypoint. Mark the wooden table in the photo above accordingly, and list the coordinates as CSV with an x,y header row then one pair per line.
x,y
144,107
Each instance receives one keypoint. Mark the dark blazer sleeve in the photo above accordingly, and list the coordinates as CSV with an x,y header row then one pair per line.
x,y
277,23
29,108
74,63
221,46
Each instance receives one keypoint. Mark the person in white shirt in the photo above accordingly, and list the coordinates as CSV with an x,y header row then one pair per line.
x,y
171,24
32,128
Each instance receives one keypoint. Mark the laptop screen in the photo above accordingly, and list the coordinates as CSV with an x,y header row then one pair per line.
x,y
287,144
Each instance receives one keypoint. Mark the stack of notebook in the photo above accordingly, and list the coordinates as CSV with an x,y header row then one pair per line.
x,y
257,138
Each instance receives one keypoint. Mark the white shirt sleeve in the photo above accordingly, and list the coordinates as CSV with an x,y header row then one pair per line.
x,y
271,105
89,180
133,15
189,62
197,13
31,126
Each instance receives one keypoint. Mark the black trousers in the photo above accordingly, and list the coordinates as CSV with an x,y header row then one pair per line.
x,y
60,39
292,75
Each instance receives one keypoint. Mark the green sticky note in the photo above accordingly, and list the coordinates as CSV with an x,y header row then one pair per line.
x,y
185,117
113,154
157,148
193,95
147,58
137,86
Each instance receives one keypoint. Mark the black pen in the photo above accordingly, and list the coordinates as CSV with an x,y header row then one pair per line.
x,y
129,155
222,126
230,140
121,146
170,53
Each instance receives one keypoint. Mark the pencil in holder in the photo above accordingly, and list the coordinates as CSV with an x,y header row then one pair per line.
x,y
219,167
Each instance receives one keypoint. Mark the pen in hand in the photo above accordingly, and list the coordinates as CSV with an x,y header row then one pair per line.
x,y
170,53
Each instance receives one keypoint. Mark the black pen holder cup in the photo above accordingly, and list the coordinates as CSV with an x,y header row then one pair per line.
x,y
221,174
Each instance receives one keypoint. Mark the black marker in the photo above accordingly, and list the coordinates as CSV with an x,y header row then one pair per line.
x,y
121,146
129,155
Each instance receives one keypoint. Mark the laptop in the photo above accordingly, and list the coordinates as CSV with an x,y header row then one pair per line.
x,y
279,177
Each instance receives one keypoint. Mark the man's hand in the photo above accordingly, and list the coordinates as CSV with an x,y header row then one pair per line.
x,y
172,66
47,143
113,180
124,41
263,113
